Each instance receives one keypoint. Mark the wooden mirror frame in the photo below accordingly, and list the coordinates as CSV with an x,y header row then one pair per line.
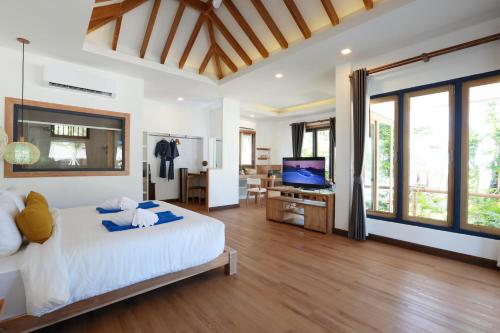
x,y
9,128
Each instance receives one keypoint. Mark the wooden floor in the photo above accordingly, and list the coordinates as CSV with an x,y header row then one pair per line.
x,y
292,280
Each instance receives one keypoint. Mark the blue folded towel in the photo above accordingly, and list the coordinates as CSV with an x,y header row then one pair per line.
x,y
163,217
143,205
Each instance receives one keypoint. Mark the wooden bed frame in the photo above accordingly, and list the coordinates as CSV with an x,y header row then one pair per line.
x,y
27,323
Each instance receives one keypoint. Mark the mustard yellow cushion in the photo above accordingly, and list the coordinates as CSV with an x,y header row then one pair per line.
x,y
35,197
35,222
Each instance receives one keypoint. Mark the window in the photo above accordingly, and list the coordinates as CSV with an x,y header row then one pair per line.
x,y
247,148
480,200
307,145
428,174
441,168
316,143
73,141
380,165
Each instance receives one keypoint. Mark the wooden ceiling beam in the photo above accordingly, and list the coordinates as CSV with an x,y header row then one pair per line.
x,y
268,20
229,37
126,6
368,4
216,58
225,58
298,18
106,11
192,39
330,11
205,61
197,4
149,28
116,33
246,28
173,31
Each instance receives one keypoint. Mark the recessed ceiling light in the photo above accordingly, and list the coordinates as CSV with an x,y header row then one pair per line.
x,y
252,116
278,75
180,99
346,51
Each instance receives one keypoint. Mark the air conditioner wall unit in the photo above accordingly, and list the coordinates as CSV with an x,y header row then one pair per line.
x,y
65,77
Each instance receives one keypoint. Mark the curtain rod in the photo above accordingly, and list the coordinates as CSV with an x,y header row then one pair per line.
x,y
177,136
316,121
425,57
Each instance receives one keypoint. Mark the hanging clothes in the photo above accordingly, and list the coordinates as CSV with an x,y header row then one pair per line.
x,y
162,150
174,152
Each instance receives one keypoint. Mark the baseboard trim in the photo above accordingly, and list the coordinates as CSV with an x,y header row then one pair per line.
x,y
340,232
211,209
478,261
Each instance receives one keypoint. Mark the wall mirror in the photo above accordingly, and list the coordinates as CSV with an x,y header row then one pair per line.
x,y
73,141
215,139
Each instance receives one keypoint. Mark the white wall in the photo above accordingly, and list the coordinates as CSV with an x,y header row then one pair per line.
x,y
223,189
180,118
463,63
75,191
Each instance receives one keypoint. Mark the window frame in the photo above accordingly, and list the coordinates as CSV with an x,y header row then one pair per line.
x,y
456,226
379,100
10,171
406,154
314,130
252,133
464,177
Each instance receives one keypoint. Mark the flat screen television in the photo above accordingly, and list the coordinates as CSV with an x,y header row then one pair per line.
x,y
305,172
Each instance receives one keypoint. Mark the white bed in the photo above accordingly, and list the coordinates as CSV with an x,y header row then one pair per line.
x,y
98,261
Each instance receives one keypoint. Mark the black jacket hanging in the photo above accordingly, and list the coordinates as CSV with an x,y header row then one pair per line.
x,y
173,154
162,150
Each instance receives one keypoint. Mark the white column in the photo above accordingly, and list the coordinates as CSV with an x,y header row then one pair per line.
x,y
224,182
343,172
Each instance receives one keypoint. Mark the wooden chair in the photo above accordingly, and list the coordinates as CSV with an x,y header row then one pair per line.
x,y
254,188
197,185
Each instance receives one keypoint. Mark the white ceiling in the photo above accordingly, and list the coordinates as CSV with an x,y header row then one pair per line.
x,y
57,28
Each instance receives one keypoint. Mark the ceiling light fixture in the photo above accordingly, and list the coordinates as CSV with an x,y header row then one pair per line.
x,y
21,152
346,51
278,75
180,99
252,116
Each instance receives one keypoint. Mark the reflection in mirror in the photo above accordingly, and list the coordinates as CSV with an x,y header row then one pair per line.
x,y
71,141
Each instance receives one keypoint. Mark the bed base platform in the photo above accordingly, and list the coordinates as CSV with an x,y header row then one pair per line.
x,y
27,323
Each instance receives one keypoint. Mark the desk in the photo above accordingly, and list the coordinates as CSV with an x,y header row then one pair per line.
x,y
314,210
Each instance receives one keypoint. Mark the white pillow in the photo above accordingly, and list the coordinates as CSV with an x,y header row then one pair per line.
x,y
17,196
10,237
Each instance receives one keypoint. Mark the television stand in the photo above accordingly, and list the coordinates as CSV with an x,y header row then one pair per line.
x,y
314,209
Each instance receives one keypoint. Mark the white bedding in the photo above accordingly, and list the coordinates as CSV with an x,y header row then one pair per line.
x,y
98,261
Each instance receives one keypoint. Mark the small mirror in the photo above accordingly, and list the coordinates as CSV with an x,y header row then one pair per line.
x,y
215,139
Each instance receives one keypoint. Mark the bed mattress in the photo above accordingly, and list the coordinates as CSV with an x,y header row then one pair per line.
x,y
98,261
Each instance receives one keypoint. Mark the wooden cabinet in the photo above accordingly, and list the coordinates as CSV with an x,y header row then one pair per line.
x,y
314,210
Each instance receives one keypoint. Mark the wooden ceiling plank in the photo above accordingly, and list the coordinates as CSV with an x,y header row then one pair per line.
x,y
298,18
205,61
330,11
268,20
226,58
126,5
173,31
149,28
229,37
192,39
197,4
116,33
368,4
246,28
216,58
106,11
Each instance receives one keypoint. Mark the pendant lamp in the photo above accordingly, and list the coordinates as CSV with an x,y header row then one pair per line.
x,y
21,152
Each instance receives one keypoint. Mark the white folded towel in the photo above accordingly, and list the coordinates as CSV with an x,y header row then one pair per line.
x,y
122,203
122,218
144,218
